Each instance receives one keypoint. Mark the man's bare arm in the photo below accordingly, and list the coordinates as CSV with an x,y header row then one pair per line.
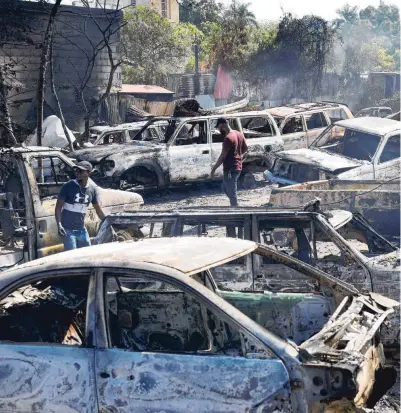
x,y
57,212
220,161
99,211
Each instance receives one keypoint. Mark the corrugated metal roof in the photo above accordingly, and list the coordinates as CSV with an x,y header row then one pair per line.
x,y
184,84
144,89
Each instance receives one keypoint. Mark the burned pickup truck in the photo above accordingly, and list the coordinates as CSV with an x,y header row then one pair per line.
x,y
366,149
189,149
345,246
28,228
120,328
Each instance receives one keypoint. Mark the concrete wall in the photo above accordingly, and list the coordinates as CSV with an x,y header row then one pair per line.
x,y
77,34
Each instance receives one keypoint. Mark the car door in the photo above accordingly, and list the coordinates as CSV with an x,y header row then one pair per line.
x,y
46,365
388,161
293,132
44,195
189,152
261,137
167,351
316,123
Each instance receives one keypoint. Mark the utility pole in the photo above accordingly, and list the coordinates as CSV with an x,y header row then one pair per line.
x,y
196,85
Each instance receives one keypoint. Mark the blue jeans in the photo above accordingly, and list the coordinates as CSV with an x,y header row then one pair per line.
x,y
229,186
76,239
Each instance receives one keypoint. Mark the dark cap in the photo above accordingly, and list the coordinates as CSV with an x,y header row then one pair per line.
x,y
84,166
221,121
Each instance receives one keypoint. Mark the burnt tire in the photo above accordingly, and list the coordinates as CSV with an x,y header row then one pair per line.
x,y
141,176
247,181
123,235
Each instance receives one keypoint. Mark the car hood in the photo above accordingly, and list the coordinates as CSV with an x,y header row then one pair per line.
x,y
320,159
97,153
390,261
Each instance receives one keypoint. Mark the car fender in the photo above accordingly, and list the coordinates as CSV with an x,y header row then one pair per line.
x,y
150,164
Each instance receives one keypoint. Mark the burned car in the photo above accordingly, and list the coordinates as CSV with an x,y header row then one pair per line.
x,y
188,151
121,328
344,245
28,228
375,112
367,148
106,140
301,123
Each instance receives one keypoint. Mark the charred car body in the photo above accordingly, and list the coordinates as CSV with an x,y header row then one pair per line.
x,y
375,112
301,123
367,148
377,200
189,149
136,325
108,139
345,246
28,228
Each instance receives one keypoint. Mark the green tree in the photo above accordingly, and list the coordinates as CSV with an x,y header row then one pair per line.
x,y
228,42
197,12
153,47
240,15
347,14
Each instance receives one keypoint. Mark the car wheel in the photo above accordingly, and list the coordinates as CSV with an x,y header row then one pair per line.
x,y
123,235
247,181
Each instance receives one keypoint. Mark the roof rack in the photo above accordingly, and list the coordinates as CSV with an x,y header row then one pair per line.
x,y
336,103
311,106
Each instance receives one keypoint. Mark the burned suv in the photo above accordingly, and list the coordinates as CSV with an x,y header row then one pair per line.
x,y
301,123
360,148
187,152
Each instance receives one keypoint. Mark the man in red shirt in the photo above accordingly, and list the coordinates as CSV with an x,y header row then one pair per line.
x,y
234,148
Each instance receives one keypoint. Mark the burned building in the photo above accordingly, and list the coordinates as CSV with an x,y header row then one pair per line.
x,y
80,59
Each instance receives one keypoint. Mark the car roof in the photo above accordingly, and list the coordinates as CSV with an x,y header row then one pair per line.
x,y
187,255
376,126
28,149
123,126
215,116
302,108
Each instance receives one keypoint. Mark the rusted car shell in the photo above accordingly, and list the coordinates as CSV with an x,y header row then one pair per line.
x,y
307,370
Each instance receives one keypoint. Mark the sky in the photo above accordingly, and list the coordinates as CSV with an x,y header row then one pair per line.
x,y
272,9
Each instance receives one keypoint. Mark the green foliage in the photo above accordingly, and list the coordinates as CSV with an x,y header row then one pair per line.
x,y
197,12
231,41
153,47
369,39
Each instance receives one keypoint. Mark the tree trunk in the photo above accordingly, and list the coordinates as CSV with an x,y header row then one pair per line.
x,y
6,122
42,69
54,92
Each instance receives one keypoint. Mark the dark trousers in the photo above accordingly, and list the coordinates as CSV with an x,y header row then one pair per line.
x,y
230,184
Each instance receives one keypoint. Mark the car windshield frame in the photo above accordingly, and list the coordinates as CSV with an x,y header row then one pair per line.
x,y
174,123
347,131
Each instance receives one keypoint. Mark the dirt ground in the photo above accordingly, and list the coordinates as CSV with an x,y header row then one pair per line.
x,y
199,195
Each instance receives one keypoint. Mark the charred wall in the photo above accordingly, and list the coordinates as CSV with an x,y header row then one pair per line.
x,y
77,30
